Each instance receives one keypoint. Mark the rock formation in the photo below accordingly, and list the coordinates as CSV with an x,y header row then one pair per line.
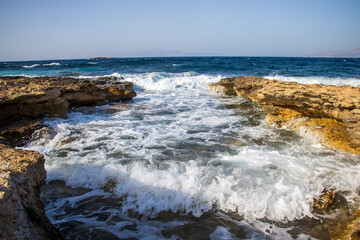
x,y
22,97
22,102
329,114
22,214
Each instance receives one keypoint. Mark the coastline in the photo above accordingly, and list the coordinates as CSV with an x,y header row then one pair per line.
x,y
92,103
24,102
329,115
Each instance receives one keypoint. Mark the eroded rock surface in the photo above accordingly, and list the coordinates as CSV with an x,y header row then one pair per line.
x,y
22,214
22,97
328,114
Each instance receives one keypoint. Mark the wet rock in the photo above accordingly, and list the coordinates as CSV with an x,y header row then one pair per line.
x,y
110,185
109,79
78,230
22,214
327,114
57,189
347,228
18,133
4,141
325,199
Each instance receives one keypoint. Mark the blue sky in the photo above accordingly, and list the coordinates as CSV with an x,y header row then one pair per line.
x,y
64,29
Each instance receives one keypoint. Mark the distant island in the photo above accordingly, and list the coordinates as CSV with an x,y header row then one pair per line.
x,y
354,53
95,58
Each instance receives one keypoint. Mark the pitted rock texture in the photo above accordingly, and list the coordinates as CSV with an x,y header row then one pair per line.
x,y
22,214
22,97
330,114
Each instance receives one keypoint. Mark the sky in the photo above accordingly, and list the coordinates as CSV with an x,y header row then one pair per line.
x,y
73,29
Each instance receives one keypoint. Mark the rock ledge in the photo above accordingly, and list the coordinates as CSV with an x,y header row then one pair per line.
x,y
327,114
22,97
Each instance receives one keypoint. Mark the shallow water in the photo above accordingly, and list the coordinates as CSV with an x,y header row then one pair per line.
x,y
181,162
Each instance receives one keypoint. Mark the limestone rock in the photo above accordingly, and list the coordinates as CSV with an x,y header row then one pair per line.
x,y
22,97
22,214
347,229
324,200
330,114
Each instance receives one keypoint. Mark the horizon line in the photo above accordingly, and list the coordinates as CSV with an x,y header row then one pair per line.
x,y
183,56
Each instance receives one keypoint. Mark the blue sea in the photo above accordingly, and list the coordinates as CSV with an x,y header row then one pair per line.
x,y
180,162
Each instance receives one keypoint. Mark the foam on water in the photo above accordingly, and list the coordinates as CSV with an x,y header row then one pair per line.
x,y
337,81
52,64
178,147
31,66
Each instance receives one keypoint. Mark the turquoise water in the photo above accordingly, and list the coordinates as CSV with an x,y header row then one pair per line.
x,y
179,162
225,66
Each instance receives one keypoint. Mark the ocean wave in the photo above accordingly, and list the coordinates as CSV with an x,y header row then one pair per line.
x,y
21,75
162,81
168,156
52,64
85,76
31,66
256,183
336,81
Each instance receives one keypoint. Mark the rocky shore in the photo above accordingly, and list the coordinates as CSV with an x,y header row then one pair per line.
x,y
329,115
28,98
23,103
22,215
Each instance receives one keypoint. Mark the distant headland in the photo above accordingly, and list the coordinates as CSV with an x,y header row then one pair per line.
x,y
95,58
353,53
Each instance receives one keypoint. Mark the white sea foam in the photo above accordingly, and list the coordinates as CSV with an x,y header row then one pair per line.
x,y
31,66
86,77
337,81
157,81
52,64
22,75
170,150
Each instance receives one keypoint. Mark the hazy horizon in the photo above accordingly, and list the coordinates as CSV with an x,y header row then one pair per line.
x,y
184,56
43,30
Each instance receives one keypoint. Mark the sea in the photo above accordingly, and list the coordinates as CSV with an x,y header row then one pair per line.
x,y
181,162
